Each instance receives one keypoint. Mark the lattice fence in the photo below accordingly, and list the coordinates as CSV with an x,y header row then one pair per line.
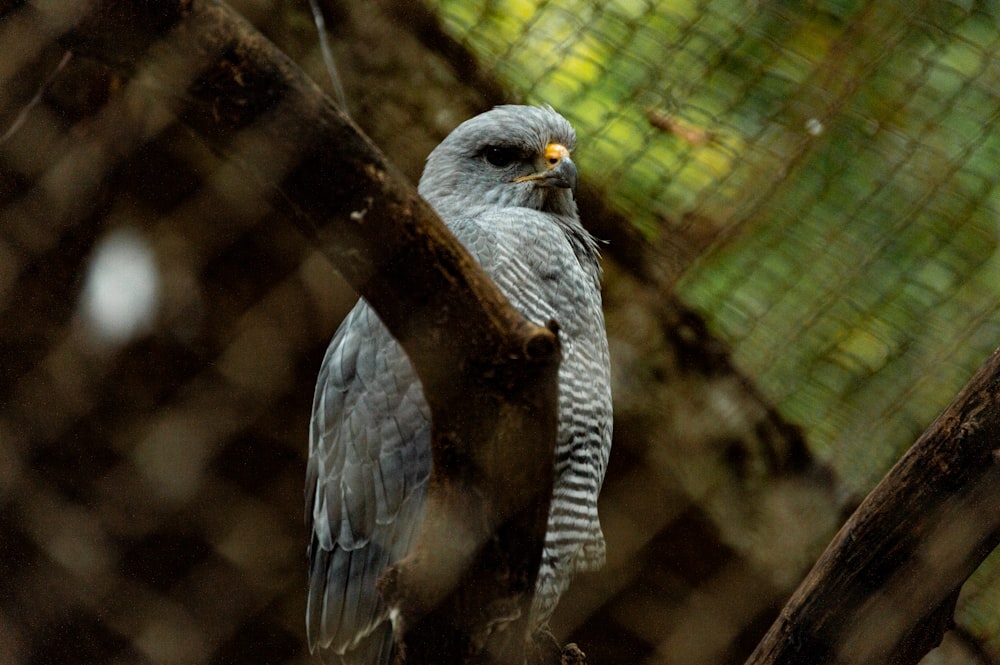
x,y
816,181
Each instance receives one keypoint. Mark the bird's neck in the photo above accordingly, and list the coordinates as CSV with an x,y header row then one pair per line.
x,y
584,245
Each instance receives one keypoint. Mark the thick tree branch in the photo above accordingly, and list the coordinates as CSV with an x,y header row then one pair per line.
x,y
489,375
885,589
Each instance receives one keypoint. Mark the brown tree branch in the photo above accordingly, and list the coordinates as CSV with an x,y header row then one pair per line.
x,y
885,589
489,375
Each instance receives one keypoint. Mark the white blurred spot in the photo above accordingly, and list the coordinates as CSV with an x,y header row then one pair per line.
x,y
814,126
122,287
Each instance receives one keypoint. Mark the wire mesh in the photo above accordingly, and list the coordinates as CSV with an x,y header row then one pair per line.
x,y
819,177
837,161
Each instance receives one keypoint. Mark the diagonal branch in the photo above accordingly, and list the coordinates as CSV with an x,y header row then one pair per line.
x,y
489,375
885,589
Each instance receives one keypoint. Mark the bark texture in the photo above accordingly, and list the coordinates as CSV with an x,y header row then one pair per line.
x,y
885,589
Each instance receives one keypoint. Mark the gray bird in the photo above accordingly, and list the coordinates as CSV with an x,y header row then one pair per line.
x,y
504,183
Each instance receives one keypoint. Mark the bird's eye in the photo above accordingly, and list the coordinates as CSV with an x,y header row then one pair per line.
x,y
501,156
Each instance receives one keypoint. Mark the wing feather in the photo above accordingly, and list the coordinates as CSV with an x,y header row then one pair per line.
x,y
369,462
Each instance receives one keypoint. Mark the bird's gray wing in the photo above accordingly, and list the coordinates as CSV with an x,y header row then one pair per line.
x,y
369,460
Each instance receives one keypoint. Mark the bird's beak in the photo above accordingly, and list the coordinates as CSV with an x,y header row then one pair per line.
x,y
556,169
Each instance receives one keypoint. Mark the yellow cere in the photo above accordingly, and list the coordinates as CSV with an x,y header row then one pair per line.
x,y
555,153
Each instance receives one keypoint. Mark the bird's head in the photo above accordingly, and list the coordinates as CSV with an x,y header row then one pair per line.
x,y
511,156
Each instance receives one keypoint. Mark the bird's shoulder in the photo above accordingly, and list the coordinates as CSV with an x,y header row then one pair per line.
x,y
547,244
